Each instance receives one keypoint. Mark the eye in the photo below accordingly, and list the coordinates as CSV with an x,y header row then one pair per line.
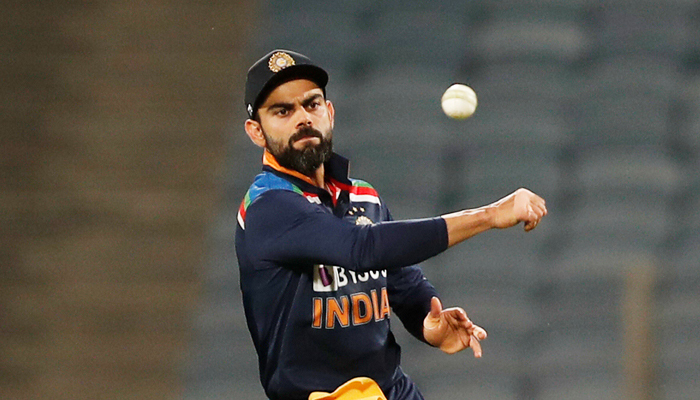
x,y
314,104
282,112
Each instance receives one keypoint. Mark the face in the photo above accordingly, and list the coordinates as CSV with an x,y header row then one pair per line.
x,y
295,125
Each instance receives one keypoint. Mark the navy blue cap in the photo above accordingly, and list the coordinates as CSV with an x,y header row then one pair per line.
x,y
276,68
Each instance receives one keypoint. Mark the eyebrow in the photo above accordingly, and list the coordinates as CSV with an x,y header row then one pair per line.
x,y
289,106
311,99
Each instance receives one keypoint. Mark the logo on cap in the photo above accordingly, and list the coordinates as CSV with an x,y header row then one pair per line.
x,y
280,61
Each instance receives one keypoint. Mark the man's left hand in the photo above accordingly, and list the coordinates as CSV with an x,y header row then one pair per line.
x,y
451,330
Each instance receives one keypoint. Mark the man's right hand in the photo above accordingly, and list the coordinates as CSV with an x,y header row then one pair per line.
x,y
519,206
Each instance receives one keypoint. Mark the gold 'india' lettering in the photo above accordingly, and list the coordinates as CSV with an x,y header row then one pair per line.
x,y
336,311
357,309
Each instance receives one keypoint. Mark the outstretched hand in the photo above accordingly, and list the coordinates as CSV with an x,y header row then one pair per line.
x,y
520,206
451,330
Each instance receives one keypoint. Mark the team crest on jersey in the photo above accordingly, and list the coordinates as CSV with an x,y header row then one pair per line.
x,y
279,61
363,220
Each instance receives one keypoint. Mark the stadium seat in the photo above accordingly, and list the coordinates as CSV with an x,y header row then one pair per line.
x,y
679,386
404,96
624,100
523,81
637,75
332,38
683,258
491,172
592,385
580,346
399,37
631,169
514,123
678,345
624,198
626,27
456,385
688,117
222,347
624,226
529,37
616,121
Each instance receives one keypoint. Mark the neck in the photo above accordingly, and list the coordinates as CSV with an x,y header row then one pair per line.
x,y
317,179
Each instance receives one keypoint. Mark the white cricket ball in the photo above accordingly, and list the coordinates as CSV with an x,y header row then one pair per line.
x,y
459,101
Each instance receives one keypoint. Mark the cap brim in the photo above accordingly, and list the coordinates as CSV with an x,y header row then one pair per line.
x,y
303,71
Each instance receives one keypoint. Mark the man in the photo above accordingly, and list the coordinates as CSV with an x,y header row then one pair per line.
x,y
322,264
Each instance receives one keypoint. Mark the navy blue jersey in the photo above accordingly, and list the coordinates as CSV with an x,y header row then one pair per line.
x,y
322,271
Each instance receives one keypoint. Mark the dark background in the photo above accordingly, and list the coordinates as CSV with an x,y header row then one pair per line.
x,y
123,162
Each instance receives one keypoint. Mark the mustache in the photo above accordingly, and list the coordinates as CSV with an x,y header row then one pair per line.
x,y
305,132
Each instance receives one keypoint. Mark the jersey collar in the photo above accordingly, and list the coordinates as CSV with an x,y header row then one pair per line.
x,y
335,169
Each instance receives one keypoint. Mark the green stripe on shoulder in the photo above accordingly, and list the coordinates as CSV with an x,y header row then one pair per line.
x,y
360,183
268,181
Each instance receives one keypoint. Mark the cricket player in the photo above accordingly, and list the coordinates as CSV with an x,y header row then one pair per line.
x,y
324,269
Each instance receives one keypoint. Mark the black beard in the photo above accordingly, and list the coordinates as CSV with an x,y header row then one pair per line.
x,y
306,160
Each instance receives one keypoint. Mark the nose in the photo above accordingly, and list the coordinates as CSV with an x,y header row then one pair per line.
x,y
304,119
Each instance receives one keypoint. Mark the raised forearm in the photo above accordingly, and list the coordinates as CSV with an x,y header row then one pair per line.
x,y
520,206
464,224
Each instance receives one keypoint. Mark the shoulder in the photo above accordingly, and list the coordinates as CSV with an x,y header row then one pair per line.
x,y
270,186
362,191
268,181
359,183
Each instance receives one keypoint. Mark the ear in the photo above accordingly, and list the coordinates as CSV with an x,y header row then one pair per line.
x,y
254,131
331,112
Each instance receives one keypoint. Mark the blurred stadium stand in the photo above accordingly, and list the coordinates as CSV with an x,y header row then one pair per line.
x,y
112,119
122,123
594,105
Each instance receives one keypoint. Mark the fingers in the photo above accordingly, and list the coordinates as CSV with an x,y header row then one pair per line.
x,y
476,346
473,334
432,320
479,332
536,210
435,307
476,335
458,315
531,225
541,205
451,329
